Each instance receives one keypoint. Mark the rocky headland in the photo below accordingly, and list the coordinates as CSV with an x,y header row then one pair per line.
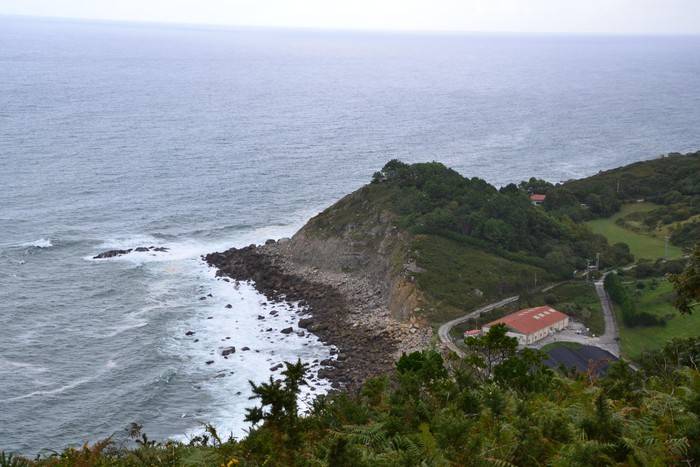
x,y
349,277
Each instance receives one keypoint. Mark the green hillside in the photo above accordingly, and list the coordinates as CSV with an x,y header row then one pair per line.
x,y
643,244
471,243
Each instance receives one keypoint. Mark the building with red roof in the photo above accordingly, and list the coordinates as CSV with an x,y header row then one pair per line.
x,y
532,324
537,199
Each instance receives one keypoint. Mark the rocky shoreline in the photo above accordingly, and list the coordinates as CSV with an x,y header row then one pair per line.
x,y
345,310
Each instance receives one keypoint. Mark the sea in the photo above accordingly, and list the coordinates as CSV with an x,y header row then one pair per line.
x,y
198,139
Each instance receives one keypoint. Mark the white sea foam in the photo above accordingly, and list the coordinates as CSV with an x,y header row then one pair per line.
x,y
41,243
217,327
179,279
47,392
127,326
10,365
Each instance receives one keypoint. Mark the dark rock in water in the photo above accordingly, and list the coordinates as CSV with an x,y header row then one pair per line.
x,y
209,362
229,306
287,330
140,249
244,349
273,313
270,242
202,298
305,322
228,351
276,367
209,295
189,333
196,340
220,375
261,317
210,317
112,254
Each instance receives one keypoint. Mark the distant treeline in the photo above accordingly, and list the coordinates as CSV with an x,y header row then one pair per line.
x,y
433,199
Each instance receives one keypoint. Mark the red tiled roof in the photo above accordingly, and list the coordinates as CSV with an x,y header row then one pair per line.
x,y
531,320
537,197
472,332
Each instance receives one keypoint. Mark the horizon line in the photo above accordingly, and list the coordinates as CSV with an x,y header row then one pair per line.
x,y
398,31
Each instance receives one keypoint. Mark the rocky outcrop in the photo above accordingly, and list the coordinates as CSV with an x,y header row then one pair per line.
x,y
140,249
346,267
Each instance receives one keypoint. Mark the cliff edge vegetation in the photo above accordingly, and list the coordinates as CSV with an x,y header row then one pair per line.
x,y
443,244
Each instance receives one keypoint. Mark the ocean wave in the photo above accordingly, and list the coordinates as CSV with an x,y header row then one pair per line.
x,y
115,331
41,243
11,365
49,392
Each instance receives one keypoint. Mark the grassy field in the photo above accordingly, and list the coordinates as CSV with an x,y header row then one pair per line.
x,y
641,246
658,301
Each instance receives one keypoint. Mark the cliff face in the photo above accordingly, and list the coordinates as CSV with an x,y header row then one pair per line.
x,y
347,267
358,237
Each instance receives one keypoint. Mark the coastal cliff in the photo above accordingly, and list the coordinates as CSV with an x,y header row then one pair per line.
x,y
346,267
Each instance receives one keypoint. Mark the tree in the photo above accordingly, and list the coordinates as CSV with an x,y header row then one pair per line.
x,y
491,349
687,284
525,371
278,399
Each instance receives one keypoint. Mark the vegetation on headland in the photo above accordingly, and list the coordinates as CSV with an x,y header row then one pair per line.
x,y
648,200
497,407
469,242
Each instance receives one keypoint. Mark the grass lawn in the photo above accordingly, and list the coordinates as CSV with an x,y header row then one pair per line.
x,y
641,246
658,301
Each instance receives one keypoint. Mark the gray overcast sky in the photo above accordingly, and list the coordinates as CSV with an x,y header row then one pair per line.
x,y
574,16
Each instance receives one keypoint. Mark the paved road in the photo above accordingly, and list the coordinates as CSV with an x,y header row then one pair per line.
x,y
609,340
444,331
